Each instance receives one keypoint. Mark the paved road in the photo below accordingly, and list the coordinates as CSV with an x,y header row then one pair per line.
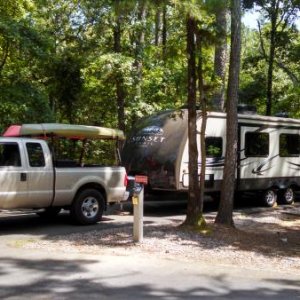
x,y
43,275
55,276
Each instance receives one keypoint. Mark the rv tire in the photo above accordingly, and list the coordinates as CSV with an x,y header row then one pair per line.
x,y
270,198
287,196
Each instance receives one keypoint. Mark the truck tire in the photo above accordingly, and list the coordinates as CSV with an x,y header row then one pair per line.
x,y
270,198
87,207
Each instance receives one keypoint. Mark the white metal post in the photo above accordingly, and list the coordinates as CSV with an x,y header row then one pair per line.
x,y
138,214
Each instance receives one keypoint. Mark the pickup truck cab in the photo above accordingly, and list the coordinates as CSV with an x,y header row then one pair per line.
x,y
31,178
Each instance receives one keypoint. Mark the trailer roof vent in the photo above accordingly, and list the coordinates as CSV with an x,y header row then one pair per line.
x,y
246,109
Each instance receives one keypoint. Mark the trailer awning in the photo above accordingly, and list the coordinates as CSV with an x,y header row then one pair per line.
x,y
64,130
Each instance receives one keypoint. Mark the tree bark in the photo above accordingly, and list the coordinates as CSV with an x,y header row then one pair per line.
x,y
140,40
224,215
203,104
164,31
193,209
218,99
157,25
4,56
274,16
120,91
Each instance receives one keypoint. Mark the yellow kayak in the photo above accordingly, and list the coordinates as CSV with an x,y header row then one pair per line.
x,y
64,130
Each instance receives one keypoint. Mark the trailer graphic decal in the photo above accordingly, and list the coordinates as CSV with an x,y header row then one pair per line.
x,y
296,165
259,171
148,136
212,162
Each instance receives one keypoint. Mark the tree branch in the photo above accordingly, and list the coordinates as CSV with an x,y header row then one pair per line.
x,y
291,75
262,46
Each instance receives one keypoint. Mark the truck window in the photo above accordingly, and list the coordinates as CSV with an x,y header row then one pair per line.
x,y
256,144
35,155
289,145
10,155
214,146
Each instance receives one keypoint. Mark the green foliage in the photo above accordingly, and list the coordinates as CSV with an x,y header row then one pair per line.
x,y
58,60
101,152
23,103
286,75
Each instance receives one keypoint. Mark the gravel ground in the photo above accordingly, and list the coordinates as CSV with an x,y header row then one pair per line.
x,y
265,239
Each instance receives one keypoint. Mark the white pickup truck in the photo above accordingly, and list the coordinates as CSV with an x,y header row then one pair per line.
x,y
30,178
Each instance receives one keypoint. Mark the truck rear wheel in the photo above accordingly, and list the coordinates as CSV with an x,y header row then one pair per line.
x,y
87,207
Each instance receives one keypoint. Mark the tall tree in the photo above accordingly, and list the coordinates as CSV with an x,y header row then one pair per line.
x,y
194,209
164,29
274,18
203,106
220,60
224,215
281,14
139,45
120,91
23,47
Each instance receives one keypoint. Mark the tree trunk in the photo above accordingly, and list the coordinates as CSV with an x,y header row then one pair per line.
x,y
4,56
218,99
193,209
204,119
120,91
140,40
274,16
157,25
164,30
225,211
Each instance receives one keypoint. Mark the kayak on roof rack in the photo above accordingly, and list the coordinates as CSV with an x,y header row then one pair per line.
x,y
64,130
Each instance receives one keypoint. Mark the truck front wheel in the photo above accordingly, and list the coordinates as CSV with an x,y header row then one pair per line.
x,y
87,207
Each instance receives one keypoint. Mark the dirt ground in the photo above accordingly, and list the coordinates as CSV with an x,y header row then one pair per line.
x,y
265,230
263,238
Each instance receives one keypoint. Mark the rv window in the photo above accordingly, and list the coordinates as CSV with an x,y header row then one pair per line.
x,y
213,146
289,145
256,144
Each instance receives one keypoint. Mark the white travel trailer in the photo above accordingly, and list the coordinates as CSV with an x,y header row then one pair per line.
x,y
268,153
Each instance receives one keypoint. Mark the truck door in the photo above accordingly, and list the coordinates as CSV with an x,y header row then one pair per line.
x,y
13,183
40,175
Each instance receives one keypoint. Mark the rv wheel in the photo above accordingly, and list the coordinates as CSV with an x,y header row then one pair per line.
x,y
270,198
287,196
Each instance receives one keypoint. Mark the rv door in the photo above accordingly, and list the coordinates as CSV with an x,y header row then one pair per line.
x,y
258,157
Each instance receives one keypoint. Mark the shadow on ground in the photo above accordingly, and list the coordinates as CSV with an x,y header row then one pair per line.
x,y
58,279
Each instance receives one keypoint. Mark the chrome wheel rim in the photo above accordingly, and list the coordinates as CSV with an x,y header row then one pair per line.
x,y
289,195
270,197
90,207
